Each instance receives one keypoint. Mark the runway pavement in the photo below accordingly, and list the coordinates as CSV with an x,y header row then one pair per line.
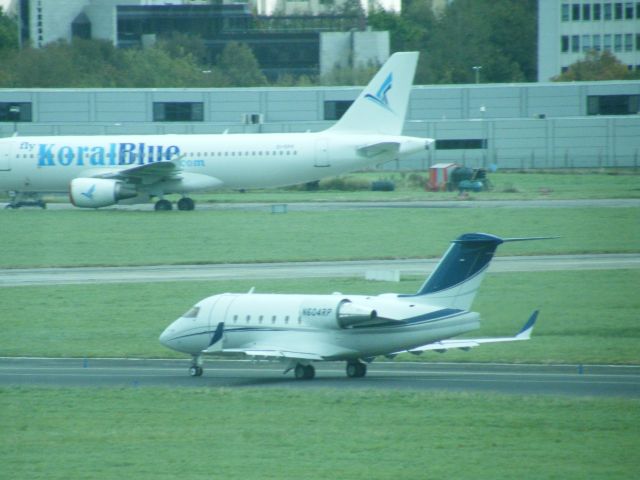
x,y
573,380
331,205
166,273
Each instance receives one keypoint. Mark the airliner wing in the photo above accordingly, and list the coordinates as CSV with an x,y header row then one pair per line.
x,y
467,343
155,170
380,148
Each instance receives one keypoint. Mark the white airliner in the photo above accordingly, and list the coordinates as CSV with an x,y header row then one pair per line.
x,y
302,329
99,171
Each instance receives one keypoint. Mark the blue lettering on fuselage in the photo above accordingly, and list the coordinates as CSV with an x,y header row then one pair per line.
x,y
125,153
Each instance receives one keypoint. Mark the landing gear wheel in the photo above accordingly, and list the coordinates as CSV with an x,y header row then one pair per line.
x,y
356,370
195,371
163,206
186,203
304,372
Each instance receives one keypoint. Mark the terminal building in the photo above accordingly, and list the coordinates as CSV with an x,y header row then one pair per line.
x,y
541,125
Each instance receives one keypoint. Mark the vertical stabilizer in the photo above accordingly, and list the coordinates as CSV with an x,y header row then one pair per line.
x,y
382,106
456,279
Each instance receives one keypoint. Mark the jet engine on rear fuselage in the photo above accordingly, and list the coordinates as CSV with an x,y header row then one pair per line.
x,y
326,312
98,192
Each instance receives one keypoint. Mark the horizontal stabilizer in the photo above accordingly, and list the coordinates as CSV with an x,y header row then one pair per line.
x,y
467,343
381,148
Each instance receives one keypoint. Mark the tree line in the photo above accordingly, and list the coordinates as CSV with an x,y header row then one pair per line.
x,y
498,37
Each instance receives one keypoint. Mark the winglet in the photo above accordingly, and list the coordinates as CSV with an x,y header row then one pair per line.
x,y
525,332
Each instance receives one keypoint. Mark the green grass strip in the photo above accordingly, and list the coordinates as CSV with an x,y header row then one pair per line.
x,y
586,317
157,433
33,238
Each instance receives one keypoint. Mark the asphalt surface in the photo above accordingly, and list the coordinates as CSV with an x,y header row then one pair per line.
x,y
572,380
172,273
281,207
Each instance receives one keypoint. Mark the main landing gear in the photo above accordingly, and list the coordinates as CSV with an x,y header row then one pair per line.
x,y
185,203
356,369
304,372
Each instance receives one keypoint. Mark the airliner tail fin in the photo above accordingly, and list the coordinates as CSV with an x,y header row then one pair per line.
x,y
382,106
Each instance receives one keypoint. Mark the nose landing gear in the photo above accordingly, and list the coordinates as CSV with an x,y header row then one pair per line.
x,y
196,370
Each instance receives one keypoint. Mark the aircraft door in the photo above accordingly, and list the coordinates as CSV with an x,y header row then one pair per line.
x,y
5,156
322,153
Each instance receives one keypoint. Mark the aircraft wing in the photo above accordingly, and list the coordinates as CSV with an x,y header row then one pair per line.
x,y
467,343
274,353
380,148
154,171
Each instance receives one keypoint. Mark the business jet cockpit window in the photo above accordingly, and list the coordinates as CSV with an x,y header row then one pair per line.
x,y
193,313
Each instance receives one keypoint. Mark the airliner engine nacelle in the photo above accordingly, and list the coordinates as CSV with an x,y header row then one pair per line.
x,y
323,313
98,192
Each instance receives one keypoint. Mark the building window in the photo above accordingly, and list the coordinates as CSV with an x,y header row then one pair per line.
x,y
15,112
637,9
637,41
575,12
628,10
597,9
617,42
575,43
586,11
586,43
334,109
564,43
607,11
607,42
617,9
178,112
628,42
564,15
461,144
613,104
597,46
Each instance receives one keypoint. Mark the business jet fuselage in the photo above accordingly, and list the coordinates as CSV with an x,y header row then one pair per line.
x,y
302,329
98,171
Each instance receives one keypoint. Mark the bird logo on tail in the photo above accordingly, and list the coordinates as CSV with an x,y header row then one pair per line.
x,y
380,98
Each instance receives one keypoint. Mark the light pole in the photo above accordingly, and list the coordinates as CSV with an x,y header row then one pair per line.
x,y
14,114
476,69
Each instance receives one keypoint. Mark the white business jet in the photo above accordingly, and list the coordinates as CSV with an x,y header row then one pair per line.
x,y
302,329
98,171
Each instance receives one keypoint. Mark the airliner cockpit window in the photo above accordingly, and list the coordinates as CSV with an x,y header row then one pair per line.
x,y
193,313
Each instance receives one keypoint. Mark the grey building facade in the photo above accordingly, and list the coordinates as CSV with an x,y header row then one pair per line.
x,y
543,125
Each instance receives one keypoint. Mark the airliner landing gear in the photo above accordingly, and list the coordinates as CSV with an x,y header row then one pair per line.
x,y
163,205
186,203
356,369
304,372
196,369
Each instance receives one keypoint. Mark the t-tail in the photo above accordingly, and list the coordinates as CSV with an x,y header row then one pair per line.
x,y
457,277
382,106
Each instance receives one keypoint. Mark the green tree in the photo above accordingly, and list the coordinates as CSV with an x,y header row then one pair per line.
x,y
238,66
597,66
8,33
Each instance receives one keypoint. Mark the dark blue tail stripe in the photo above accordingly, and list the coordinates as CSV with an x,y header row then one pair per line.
x,y
469,254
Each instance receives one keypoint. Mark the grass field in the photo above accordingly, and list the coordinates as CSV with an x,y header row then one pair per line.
x,y
33,238
155,433
512,185
580,321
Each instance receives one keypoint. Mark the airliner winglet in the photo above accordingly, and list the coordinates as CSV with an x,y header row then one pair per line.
x,y
303,329
134,168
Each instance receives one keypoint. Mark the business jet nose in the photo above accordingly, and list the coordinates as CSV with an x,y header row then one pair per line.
x,y
168,337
